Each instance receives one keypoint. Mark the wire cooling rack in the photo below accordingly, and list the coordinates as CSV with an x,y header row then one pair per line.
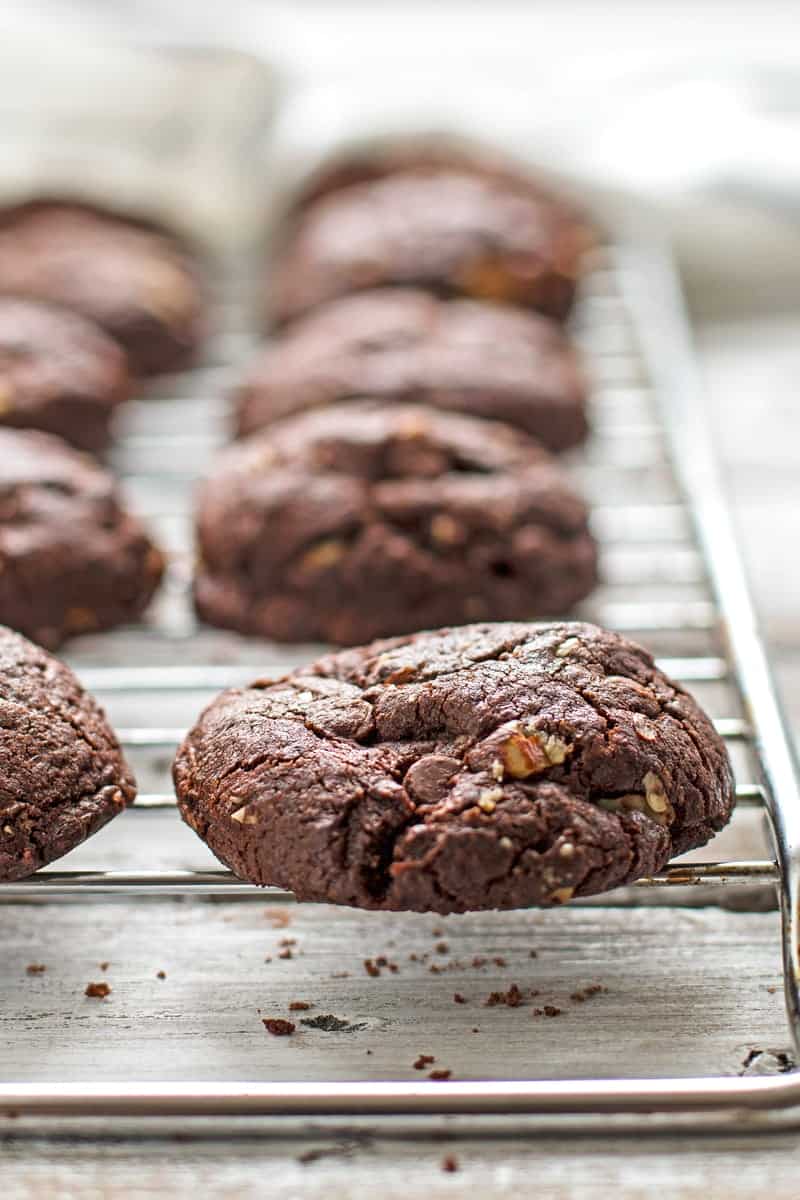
x,y
672,578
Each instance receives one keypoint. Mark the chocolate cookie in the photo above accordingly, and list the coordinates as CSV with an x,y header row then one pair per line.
x,y
387,156
492,766
137,283
452,233
62,774
398,344
59,373
355,521
72,560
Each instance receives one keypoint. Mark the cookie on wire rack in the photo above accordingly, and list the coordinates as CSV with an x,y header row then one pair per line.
x,y
401,345
73,559
63,773
59,373
489,766
453,233
357,520
136,282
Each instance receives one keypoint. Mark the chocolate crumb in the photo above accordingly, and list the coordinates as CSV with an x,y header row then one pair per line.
x,y
423,1061
277,1026
104,966
98,991
449,1163
287,953
499,961
550,1010
458,998
533,954
593,989
161,974
299,1006
35,968
372,969
441,1074
512,998
442,947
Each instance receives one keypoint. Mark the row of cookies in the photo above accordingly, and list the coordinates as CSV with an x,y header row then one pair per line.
x,y
489,766
90,302
396,466
375,489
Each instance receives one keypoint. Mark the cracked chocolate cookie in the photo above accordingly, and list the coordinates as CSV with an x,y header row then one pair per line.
x,y
72,559
63,774
492,766
58,373
354,521
136,283
452,233
400,344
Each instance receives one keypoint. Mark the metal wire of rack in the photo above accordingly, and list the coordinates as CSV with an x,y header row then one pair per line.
x,y
676,552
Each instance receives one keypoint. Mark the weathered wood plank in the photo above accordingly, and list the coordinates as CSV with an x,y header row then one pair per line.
x,y
687,992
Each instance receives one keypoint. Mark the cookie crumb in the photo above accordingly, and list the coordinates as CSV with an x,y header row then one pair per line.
x,y
35,968
423,1061
458,998
450,1163
372,969
98,991
550,1010
286,953
442,947
104,966
299,1006
440,1074
277,1026
161,974
583,994
512,998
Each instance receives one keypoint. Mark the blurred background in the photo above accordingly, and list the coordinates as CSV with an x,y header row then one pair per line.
x,y
690,109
